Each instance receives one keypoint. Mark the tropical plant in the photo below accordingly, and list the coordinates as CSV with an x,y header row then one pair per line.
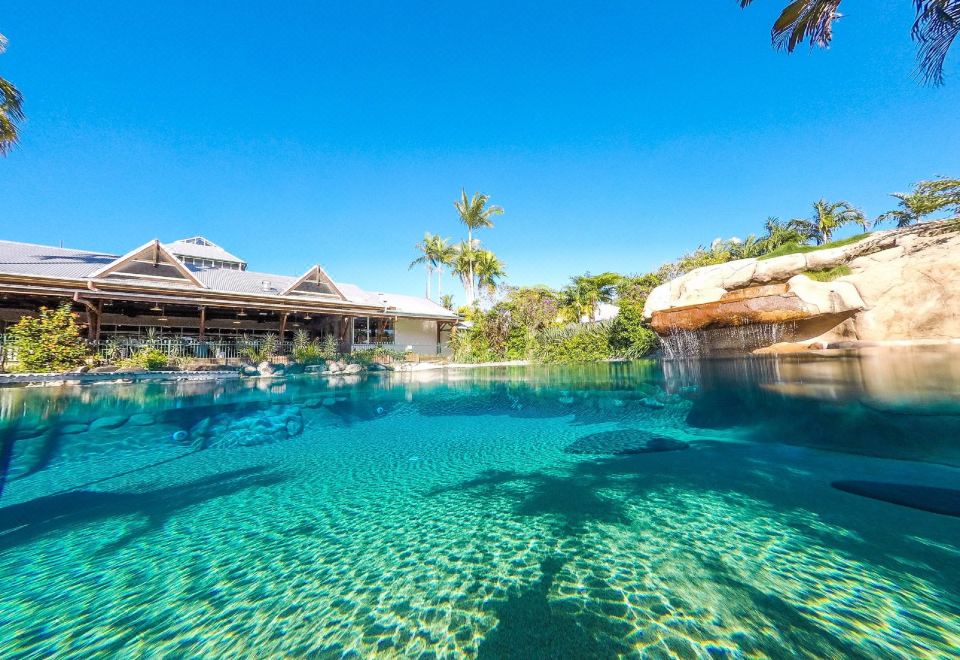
x,y
435,253
474,214
927,198
446,300
146,357
489,271
583,296
935,27
463,265
630,336
11,110
49,341
780,233
257,351
574,343
307,351
827,218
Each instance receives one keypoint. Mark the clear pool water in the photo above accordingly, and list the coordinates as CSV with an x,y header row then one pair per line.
x,y
792,507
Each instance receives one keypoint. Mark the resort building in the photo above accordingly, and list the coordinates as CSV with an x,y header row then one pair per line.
x,y
205,298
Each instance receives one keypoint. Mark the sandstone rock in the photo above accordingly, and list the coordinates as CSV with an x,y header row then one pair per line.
x,y
250,371
106,369
352,369
901,286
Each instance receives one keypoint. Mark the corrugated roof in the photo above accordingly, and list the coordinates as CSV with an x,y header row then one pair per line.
x,y
46,261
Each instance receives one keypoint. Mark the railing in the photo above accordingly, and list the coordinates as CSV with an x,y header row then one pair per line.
x,y
419,349
119,348
177,347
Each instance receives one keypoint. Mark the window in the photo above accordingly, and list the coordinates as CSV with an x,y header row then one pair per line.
x,y
367,330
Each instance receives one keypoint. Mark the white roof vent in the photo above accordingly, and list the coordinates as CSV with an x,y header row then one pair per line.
x,y
265,285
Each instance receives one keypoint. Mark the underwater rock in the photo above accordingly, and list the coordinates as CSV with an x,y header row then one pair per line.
x,y
329,401
650,402
72,428
624,442
142,419
945,501
258,427
112,422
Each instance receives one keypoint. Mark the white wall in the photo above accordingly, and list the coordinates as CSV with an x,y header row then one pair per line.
x,y
419,333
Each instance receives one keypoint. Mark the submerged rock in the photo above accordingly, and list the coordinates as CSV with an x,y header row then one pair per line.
x,y
624,442
259,427
945,501
108,422
141,419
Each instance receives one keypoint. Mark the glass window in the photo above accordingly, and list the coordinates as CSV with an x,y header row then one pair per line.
x,y
361,330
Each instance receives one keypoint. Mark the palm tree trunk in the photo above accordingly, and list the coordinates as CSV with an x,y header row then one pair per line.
x,y
440,282
469,290
429,277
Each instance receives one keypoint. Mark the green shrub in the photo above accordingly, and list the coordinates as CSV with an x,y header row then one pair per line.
x,y
146,358
308,351
368,356
260,351
48,342
828,274
796,248
630,336
574,343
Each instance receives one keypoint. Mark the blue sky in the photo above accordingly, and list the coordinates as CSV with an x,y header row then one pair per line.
x,y
616,135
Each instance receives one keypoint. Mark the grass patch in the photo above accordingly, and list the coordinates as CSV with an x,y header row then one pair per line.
x,y
795,248
828,274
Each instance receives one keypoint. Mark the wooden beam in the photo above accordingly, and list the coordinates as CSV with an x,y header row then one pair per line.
x,y
283,325
203,321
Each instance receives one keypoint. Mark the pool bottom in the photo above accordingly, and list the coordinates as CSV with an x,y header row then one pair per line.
x,y
427,536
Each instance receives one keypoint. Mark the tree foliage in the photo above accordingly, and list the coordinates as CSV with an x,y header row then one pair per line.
x,y
11,110
927,198
50,341
936,25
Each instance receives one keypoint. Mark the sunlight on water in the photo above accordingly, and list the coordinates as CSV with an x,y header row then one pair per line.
x,y
664,510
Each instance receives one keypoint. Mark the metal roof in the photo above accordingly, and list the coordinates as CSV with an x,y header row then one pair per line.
x,y
202,248
47,261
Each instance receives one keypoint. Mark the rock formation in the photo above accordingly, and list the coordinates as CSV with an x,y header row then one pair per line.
x,y
893,285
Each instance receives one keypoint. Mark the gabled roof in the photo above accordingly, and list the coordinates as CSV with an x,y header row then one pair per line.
x,y
150,260
202,248
314,282
42,261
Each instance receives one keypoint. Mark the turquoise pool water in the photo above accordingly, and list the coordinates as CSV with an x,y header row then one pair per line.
x,y
719,509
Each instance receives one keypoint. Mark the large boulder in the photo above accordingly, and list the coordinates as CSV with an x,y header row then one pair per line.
x,y
898,285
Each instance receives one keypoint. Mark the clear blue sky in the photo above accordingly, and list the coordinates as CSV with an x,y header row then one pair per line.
x,y
616,135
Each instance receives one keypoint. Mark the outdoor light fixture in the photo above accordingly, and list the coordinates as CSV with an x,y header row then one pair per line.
x,y
241,313
307,317
156,308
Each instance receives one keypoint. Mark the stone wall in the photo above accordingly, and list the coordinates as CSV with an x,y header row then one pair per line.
x,y
903,285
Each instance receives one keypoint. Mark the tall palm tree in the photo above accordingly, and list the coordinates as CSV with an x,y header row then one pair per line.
x,y
11,110
489,270
827,218
928,197
463,265
444,254
475,214
426,257
936,25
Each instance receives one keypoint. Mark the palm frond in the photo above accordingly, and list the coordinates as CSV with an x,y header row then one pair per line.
x,y
936,26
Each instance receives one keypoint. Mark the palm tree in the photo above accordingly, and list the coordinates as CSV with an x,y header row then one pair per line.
x,y
827,218
489,270
447,301
927,198
463,264
11,110
936,25
583,296
426,258
781,233
444,254
474,213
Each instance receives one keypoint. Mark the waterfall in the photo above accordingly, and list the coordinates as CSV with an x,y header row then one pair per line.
x,y
685,344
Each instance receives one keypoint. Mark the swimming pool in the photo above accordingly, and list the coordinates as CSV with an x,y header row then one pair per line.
x,y
775,507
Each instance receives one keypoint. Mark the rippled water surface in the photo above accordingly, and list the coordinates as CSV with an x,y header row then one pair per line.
x,y
791,507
